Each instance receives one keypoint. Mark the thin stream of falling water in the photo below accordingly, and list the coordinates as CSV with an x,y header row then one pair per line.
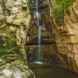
x,y
39,56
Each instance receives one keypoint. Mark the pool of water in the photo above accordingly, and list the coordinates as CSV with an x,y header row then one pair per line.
x,y
51,71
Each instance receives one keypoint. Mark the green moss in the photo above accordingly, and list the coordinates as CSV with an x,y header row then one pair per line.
x,y
59,8
7,45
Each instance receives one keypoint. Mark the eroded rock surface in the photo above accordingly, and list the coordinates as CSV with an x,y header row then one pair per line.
x,y
14,24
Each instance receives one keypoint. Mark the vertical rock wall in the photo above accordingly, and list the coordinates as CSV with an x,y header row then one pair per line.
x,y
14,24
67,38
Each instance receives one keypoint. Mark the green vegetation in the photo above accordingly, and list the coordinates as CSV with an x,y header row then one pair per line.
x,y
59,7
7,45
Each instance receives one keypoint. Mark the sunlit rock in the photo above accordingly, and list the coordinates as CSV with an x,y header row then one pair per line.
x,y
14,24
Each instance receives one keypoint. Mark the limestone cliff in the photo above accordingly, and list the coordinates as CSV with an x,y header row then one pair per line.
x,y
67,37
14,24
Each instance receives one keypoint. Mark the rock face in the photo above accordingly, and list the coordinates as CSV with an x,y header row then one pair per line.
x,y
67,38
14,24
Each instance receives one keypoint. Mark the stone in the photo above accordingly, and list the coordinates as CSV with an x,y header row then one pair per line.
x,y
14,24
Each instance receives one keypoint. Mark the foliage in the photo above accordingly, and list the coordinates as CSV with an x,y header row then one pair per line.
x,y
59,7
7,44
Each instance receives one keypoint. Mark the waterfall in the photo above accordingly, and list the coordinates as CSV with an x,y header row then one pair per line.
x,y
37,15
